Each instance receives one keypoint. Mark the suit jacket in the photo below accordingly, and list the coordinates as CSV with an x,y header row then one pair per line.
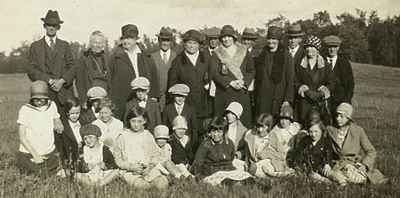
x,y
90,73
180,154
194,76
152,109
162,69
122,73
344,86
356,146
169,113
46,64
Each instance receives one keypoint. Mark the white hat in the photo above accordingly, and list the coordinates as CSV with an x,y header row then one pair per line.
x,y
96,93
179,122
236,108
140,83
161,132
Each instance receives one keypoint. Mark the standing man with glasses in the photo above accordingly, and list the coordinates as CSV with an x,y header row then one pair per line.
x,y
51,61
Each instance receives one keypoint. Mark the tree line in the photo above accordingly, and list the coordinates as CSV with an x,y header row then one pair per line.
x,y
367,38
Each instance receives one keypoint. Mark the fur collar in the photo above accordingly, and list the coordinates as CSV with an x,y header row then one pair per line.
x,y
232,63
320,62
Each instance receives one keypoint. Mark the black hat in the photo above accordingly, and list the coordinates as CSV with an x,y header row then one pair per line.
x,y
52,18
249,33
129,31
295,31
192,35
227,30
165,33
274,32
90,129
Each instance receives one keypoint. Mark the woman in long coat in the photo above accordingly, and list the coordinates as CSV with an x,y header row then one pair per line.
x,y
232,71
191,67
314,82
274,81
127,63
92,69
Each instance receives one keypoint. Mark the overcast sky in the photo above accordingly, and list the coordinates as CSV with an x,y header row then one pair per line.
x,y
20,19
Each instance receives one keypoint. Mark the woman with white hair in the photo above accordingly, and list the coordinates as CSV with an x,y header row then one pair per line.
x,y
92,70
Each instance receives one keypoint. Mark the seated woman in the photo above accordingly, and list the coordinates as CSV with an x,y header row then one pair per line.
x,y
213,160
353,154
311,155
96,165
256,140
282,139
137,154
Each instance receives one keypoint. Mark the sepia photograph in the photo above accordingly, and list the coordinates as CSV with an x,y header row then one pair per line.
x,y
200,98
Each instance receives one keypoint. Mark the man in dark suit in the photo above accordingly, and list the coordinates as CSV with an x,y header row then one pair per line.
x,y
191,67
341,67
163,59
127,63
51,61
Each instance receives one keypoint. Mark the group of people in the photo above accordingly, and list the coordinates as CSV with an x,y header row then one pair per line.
x,y
224,114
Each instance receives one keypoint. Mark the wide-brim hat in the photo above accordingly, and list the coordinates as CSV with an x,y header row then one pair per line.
x,y
227,30
165,34
295,31
39,90
332,40
192,35
274,32
52,18
129,31
249,34
212,33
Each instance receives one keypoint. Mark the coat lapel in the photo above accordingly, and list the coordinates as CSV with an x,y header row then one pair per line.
x,y
125,58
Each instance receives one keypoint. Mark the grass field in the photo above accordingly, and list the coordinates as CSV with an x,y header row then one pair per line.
x,y
376,101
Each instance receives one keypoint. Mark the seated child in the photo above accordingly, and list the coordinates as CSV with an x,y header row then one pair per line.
x,y
91,112
137,154
282,137
109,125
179,107
161,135
181,144
256,140
37,122
96,165
71,140
140,90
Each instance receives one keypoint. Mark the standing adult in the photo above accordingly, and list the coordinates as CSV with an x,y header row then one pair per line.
x,y
92,69
51,61
163,59
249,37
191,67
341,67
127,63
232,72
274,81
314,81
212,40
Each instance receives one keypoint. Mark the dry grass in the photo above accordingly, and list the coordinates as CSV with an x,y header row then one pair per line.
x,y
376,101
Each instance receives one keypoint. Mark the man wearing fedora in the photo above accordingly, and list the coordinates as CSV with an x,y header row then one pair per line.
x,y
295,37
163,59
51,60
127,63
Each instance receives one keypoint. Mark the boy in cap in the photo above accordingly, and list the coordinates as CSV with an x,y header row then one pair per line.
x,y
179,107
139,98
37,122
96,165
91,112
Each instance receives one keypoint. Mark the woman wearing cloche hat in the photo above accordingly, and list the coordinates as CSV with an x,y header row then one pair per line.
x,y
314,81
232,71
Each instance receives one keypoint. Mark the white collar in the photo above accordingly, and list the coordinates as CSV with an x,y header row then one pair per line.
x,y
192,55
135,51
168,52
47,39
294,49
74,123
